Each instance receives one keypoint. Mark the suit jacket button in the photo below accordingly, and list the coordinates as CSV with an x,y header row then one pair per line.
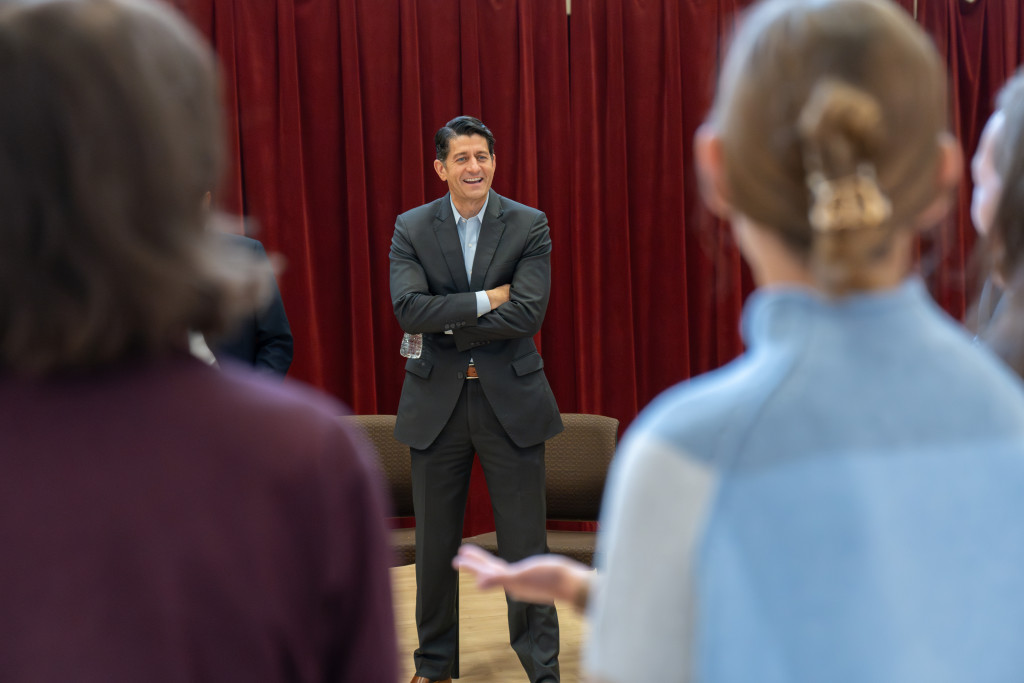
x,y
461,375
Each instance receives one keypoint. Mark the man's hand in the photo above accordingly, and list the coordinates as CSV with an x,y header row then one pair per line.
x,y
498,295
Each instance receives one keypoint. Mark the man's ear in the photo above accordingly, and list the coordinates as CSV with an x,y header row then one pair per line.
x,y
708,157
439,169
947,177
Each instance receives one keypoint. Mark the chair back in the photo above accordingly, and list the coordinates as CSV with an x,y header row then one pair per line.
x,y
393,457
577,464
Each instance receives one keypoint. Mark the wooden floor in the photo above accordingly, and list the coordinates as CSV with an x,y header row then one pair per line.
x,y
484,649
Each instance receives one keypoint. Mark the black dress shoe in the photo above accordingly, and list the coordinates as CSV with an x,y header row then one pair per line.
x,y
423,679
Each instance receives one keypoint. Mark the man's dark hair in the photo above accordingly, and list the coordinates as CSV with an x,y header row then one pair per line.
x,y
110,134
461,125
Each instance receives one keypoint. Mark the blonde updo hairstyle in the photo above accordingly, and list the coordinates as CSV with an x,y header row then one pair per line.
x,y
830,114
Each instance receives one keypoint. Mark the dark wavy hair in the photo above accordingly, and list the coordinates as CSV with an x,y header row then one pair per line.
x,y
461,125
110,135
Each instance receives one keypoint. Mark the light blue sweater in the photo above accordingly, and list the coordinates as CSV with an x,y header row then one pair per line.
x,y
845,502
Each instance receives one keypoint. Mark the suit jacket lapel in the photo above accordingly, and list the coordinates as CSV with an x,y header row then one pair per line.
x,y
448,239
490,236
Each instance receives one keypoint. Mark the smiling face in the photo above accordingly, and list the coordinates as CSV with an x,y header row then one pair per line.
x,y
988,185
468,170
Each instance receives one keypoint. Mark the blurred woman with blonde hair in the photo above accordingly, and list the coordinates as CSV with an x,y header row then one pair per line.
x,y
842,502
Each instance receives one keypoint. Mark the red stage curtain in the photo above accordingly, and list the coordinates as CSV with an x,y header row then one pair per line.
x,y
332,105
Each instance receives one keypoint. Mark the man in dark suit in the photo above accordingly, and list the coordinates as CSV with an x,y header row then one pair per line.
x,y
262,339
471,272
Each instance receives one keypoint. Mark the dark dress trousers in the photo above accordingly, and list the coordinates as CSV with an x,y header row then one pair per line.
x,y
504,416
263,338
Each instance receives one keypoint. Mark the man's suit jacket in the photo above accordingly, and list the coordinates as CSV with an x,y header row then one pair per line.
x,y
432,295
263,338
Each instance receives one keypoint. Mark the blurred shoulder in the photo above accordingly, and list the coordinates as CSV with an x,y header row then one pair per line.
x,y
286,421
256,393
702,418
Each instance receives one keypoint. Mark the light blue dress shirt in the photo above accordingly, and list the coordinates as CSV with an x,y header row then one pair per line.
x,y
469,236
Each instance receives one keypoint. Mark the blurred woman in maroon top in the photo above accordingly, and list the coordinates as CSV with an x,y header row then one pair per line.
x,y
160,520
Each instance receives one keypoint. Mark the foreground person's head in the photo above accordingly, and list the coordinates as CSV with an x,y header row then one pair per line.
x,y
110,134
816,140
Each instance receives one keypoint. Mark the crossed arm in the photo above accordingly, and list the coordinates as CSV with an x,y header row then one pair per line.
x,y
517,307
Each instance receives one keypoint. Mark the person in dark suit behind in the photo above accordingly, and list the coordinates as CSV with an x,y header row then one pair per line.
x,y
471,272
263,338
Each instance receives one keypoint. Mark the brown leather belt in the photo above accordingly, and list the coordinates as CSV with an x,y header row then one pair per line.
x,y
471,372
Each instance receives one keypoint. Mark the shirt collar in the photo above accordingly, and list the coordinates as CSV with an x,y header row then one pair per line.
x,y
479,216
